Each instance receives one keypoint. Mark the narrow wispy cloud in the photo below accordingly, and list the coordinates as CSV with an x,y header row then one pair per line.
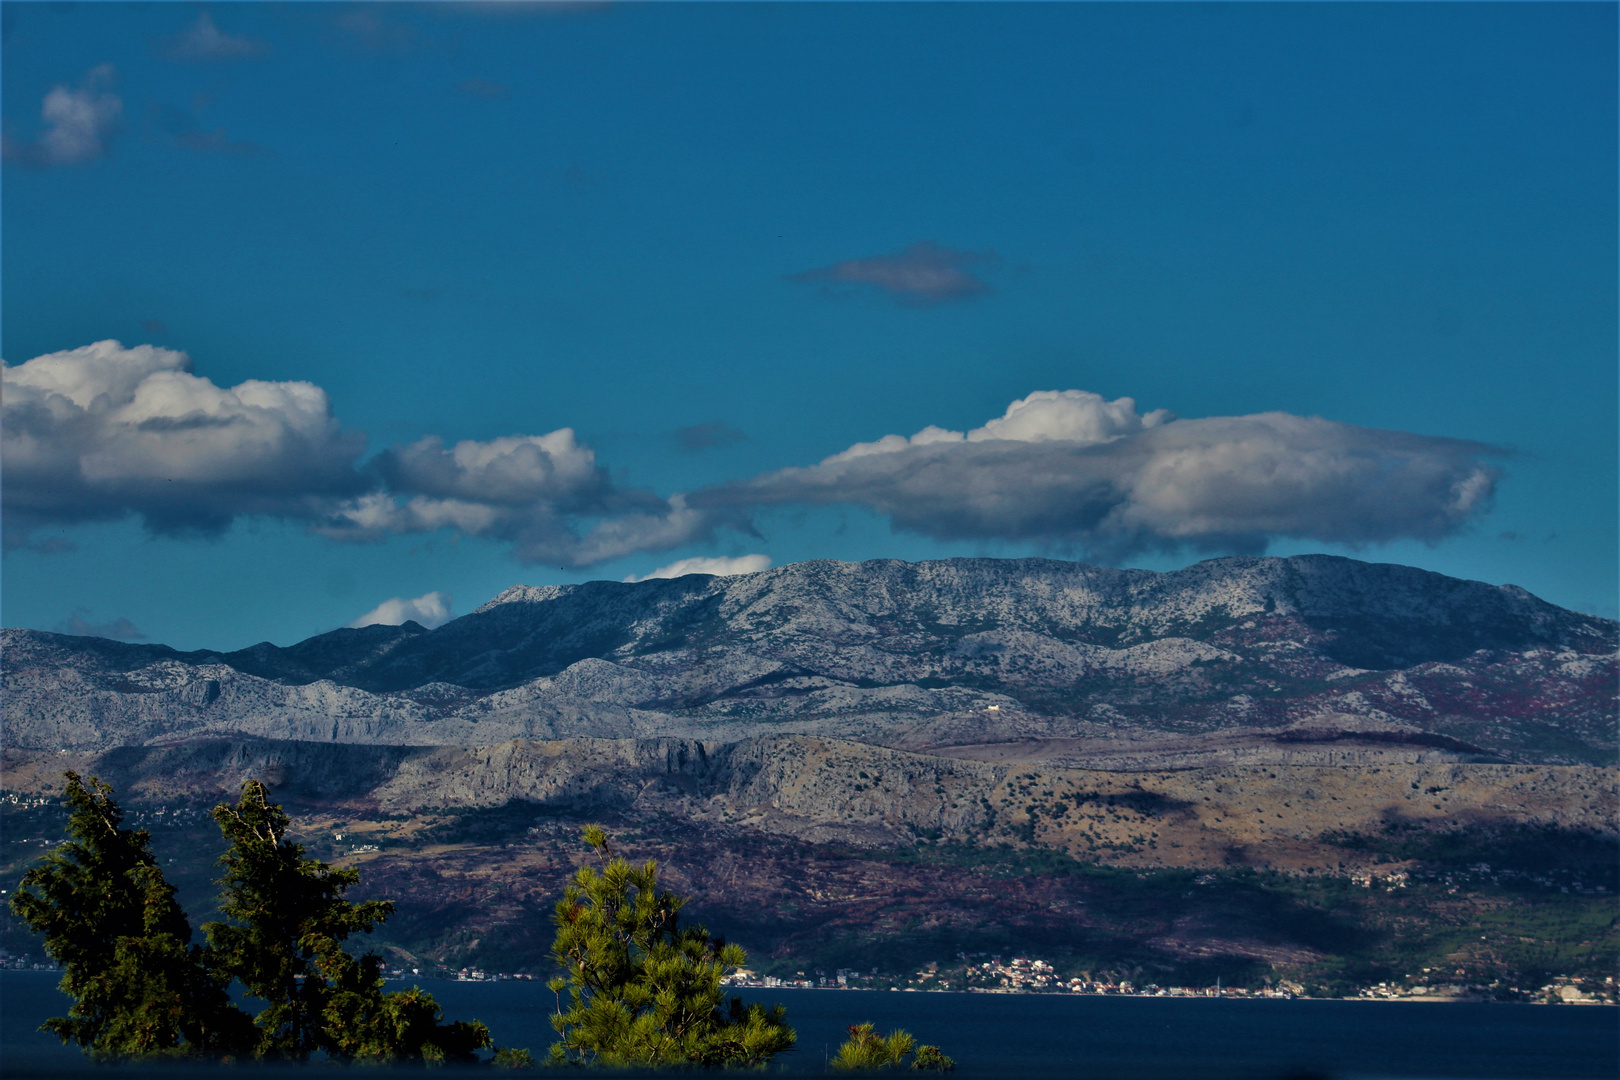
x,y
430,610
204,41
77,125
183,128
921,275
709,436
567,532
524,9
119,629
482,88
368,30
1075,471
723,566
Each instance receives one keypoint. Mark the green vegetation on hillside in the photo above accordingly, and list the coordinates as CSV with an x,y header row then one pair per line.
x,y
1478,907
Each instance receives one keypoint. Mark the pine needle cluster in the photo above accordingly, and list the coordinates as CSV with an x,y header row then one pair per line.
x,y
866,1050
642,988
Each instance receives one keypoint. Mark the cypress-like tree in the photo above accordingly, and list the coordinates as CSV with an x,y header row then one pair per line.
x,y
643,989
285,944
362,1023
139,987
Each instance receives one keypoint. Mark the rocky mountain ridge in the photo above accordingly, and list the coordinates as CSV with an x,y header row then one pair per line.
x,y
1220,658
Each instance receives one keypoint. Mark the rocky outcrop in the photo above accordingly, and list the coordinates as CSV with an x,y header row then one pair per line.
x,y
820,791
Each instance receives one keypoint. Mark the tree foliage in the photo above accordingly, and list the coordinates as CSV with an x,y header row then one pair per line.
x,y
289,919
644,990
108,917
932,1059
142,990
865,1049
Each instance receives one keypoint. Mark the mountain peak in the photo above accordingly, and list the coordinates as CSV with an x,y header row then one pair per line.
x,y
523,594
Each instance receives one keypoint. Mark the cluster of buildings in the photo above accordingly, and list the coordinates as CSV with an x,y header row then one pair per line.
x,y
1019,975
749,978
12,962
1563,990
1026,975
1400,879
1565,881
472,974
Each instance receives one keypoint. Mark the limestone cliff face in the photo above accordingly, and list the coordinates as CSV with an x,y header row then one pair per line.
x,y
1322,653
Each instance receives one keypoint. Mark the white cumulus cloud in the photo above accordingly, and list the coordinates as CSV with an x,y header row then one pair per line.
x,y
545,495
1076,416
103,431
1068,416
513,470
725,566
430,609
1074,470
78,124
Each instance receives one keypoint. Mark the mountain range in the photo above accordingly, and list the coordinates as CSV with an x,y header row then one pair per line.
x,y
1301,655
852,760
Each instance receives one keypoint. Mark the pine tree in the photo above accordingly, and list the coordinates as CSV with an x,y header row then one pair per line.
x,y
285,944
139,987
643,989
865,1049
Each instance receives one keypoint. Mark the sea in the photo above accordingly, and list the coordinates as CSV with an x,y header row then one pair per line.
x,y
1045,1035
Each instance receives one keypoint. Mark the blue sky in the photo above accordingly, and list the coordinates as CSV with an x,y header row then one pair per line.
x,y
360,259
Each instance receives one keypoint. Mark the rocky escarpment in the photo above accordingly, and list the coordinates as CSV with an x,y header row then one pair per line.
x,y
822,791
1299,651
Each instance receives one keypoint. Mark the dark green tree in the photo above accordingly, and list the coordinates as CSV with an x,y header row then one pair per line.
x,y
362,1023
140,988
932,1059
644,990
289,919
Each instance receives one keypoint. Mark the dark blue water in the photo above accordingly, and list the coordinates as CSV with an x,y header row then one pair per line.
x,y
1056,1036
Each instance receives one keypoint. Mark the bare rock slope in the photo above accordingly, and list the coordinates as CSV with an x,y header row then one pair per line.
x,y
830,791
1228,661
